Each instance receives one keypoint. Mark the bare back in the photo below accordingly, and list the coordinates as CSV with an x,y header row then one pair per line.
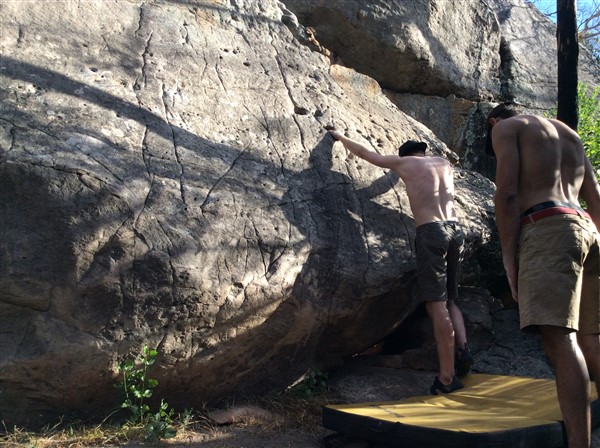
x,y
430,187
545,149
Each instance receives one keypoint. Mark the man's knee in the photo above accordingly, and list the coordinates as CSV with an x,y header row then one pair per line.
x,y
590,347
558,342
552,333
590,343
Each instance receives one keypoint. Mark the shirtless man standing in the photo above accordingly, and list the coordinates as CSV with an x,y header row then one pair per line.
x,y
430,189
542,171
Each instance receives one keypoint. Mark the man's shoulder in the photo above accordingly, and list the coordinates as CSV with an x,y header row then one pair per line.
x,y
424,161
511,126
424,167
517,120
439,160
524,120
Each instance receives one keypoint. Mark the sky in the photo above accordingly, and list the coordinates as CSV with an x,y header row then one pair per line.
x,y
549,6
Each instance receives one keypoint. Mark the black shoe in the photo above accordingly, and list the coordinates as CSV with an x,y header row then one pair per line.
x,y
463,361
439,388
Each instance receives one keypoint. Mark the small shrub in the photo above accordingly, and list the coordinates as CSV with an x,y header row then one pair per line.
x,y
314,383
589,123
588,126
137,388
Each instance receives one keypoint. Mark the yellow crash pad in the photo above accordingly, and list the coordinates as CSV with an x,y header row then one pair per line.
x,y
491,411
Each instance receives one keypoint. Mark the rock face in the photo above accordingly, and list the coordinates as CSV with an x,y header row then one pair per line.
x,y
166,179
419,47
528,53
443,65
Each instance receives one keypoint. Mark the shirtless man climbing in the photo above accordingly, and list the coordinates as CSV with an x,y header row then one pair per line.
x,y
542,171
430,189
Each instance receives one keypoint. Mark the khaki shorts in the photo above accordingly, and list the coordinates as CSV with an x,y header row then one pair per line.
x,y
559,274
439,248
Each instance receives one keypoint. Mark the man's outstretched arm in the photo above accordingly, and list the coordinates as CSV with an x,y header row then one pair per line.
x,y
360,150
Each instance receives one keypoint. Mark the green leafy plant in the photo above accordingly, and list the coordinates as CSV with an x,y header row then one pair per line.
x,y
588,127
314,383
137,388
160,425
589,123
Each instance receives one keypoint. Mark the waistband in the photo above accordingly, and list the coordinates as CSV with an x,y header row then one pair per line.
x,y
438,224
549,204
550,208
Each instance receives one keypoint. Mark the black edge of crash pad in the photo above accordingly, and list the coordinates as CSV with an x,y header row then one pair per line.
x,y
399,434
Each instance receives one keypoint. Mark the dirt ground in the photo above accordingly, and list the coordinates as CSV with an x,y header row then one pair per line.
x,y
298,423
288,420
253,437
256,436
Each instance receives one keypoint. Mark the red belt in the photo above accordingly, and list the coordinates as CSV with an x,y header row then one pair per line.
x,y
536,216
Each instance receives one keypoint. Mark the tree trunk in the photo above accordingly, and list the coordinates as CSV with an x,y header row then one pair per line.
x,y
568,53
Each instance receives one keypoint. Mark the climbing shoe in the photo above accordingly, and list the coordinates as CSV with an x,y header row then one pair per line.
x,y
463,361
439,388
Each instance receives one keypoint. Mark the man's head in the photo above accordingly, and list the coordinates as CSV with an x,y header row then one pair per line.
x,y
412,147
501,111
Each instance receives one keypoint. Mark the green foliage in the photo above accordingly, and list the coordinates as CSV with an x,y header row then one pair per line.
x,y
160,425
137,388
589,123
588,126
314,383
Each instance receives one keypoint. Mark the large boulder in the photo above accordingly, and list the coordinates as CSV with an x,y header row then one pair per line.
x,y
166,179
419,47
447,66
528,52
